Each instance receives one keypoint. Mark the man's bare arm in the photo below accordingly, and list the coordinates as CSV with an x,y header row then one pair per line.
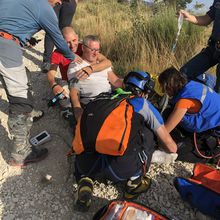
x,y
51,75
103,63
174,118
168,142
114,80
203,20
75,99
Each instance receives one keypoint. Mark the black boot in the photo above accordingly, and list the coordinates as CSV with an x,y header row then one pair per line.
x,y
35,155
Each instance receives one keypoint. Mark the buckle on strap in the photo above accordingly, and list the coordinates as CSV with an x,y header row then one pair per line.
x,y
143,157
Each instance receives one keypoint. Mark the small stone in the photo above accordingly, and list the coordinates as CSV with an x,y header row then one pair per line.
x,y
45,179
15,200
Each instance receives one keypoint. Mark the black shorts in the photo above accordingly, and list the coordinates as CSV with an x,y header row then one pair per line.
x,y
115,168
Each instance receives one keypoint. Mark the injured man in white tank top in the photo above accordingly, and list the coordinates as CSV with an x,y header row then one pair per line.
x,y
96,83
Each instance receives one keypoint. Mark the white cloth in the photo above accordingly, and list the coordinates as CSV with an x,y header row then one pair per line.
x,y
163,157
95,84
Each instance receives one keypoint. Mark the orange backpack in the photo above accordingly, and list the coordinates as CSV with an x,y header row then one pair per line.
x,y
107,126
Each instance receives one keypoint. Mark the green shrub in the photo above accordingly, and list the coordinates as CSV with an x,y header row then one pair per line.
x,y
138,37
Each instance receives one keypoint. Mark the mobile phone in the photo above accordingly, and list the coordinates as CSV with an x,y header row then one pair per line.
x,y
41,138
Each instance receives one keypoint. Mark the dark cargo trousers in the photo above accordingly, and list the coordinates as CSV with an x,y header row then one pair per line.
x,y
15,81
200,63
116,168
65,13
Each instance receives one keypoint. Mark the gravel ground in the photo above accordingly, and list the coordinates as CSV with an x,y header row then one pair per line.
x,y
25,194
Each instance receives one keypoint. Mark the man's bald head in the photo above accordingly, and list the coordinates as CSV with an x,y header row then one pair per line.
x,y
68,30
71,38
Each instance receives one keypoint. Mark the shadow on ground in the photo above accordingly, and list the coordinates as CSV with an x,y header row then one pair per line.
x,y
32,58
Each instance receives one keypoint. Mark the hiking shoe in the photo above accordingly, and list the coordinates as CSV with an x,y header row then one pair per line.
x,y
45,67
85,189
36,114
136,187
36,155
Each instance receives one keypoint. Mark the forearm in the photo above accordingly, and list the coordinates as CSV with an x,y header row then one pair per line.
x,y
75,99
193,19
51,77
74,95
48,21
168,143
174,118
202,20
114,80
118,83
103,64
88,70
198,20
169,125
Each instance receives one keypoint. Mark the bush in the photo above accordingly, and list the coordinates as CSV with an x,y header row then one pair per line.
x,y
137,36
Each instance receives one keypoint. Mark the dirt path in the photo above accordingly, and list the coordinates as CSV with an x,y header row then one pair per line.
x,y
24,194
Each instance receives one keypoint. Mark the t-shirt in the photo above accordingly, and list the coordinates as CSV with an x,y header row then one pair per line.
x,y
192,105
89,88
63,63
152,117
211,11
24,18
214,14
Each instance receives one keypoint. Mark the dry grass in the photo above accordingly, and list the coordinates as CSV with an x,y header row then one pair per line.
x,y
137,37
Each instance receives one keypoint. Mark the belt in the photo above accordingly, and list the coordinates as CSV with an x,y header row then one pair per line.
x,y
8,36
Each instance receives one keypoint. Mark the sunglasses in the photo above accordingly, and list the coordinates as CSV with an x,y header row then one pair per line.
x,y
93,50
